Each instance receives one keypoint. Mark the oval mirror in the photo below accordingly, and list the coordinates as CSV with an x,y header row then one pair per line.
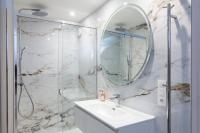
x,y
126,45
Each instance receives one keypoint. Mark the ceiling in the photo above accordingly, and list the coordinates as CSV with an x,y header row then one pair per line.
x,y
60,9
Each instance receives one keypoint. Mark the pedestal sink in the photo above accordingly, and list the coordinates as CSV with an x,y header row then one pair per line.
x,y
94,116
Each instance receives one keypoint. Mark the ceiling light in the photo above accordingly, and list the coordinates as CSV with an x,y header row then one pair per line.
x,y
99,19
125,3
72,13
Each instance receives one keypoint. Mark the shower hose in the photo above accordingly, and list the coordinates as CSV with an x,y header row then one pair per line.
x,y
23,87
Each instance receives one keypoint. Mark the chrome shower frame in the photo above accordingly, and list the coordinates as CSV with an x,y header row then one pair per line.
x,y
16,49
168,86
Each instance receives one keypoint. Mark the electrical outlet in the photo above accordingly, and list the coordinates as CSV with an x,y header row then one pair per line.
x,y
162,93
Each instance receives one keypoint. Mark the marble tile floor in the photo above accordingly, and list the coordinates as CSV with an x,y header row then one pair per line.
x,y
75,130
55,130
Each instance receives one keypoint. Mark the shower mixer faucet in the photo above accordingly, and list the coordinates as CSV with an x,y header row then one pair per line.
x,y
118,98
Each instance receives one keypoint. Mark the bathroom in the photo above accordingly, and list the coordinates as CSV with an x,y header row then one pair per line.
x,y
101,66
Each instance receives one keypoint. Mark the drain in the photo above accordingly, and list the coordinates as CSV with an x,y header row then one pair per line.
x,y
113,109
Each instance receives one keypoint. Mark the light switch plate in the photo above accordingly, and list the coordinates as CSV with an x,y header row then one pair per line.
x,y
162,93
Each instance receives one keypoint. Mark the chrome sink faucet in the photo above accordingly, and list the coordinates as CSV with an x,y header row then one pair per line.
x,y
118,98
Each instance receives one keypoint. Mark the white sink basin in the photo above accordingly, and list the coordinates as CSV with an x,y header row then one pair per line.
x,y
115,118
110,113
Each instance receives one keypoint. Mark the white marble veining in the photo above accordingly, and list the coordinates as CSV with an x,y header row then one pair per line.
x,y
51,71
46,69
142,95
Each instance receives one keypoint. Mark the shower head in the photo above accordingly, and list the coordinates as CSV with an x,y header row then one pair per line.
x,y
28,9
35,12
39,13
120,27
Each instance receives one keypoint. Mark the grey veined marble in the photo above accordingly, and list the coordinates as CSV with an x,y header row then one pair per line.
x,y
58,67
56,71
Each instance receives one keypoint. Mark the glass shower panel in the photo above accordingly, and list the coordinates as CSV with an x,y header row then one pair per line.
x,y
56,66
37,91
181,77
78,73
87,62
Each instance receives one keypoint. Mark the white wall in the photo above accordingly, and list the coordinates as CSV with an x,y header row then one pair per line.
x,y
156,69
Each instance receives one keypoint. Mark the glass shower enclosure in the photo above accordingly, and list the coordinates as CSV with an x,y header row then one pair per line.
x,y
56,66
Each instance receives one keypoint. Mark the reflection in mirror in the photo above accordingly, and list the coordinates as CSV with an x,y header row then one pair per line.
x,y
125,46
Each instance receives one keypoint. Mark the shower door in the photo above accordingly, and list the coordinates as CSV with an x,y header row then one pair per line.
x,y
179,68
38,67
78,71
56,66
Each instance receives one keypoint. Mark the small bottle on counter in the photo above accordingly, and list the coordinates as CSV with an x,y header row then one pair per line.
x,y
102,95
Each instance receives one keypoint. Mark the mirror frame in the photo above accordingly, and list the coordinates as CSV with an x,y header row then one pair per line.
x,y
150,42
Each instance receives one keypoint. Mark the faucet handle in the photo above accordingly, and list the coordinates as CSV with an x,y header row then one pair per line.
x,y
118,98
117,95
